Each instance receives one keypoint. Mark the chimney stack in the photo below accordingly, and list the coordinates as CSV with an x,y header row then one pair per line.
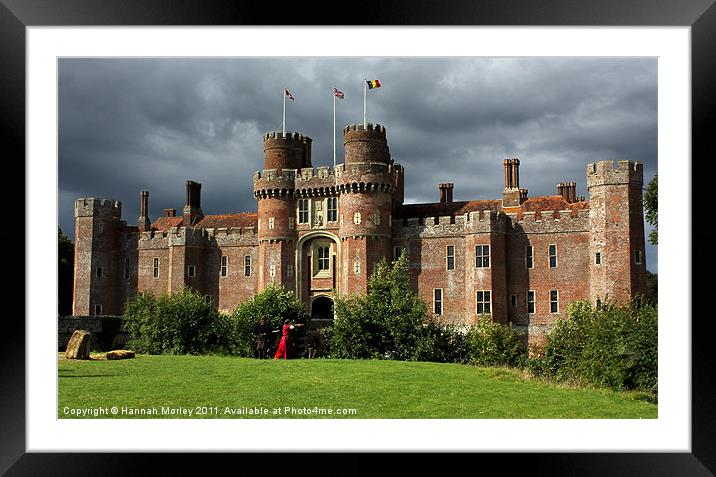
x,y
170,212
568,190
446,191
511,196
192,206
143,223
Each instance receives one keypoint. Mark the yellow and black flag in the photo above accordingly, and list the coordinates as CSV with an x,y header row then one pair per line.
x,y
373,84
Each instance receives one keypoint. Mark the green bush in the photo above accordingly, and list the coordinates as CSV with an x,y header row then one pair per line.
x,y
179,323
275,304
608,345
391,322
494,344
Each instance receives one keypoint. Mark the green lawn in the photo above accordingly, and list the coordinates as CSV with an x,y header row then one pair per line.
x,y
374,389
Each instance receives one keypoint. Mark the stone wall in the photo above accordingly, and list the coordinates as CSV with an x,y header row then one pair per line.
x,y
107,331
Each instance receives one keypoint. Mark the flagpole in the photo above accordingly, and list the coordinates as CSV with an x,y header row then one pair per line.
x,y
365,103
284,113
334,127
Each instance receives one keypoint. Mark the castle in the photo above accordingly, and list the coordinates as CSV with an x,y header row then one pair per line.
x,y
321,231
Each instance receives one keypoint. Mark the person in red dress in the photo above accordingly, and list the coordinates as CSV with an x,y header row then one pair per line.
x,y
282,350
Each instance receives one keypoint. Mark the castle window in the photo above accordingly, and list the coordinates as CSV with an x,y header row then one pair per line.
x,y
598,258
155,271
289,270
271,222
397,252
451,257
247,266
191,271
637,257
483,302
482,256
98,309
98,272
302,211
528,256
126,268
224,266
552,256
332,209
438,301
531,301
356,218
513,300
553,301
291,221
324,258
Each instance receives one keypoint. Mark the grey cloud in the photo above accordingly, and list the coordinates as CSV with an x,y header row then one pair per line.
x,y
132,124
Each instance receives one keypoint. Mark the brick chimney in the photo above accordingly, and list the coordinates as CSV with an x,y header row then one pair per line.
x,y
568,190
192,206
143,223
170,212
511,196
446,191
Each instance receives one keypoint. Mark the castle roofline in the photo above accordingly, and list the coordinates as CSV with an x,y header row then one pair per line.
x,y
532,204
243,219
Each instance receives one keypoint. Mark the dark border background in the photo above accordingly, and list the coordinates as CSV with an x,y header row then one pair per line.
x,y
15,15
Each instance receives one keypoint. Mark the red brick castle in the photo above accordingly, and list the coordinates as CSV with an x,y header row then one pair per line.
x,y
321,231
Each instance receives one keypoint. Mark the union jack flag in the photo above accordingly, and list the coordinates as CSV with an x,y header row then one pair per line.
x,y
338,94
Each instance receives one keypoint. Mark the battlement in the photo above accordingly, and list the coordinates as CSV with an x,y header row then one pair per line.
x,y
98,207
289,136
156,239
376,130
552,221
605,173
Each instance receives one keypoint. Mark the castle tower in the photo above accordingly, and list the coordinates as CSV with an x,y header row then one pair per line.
x,y
617,269
512,195
274,187
367,186
97,256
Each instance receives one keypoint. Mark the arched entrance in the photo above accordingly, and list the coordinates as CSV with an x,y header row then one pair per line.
x,y
322,308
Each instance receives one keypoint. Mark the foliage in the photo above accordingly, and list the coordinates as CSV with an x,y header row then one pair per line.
x,y
184,322
275,304
391,322
652,288
65,273
608,345
495,344
651,205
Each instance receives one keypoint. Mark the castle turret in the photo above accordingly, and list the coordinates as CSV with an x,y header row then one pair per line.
x,y
97,257
617,261
284,156
366,185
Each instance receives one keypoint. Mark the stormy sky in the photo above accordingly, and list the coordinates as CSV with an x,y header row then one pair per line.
x,y
127,125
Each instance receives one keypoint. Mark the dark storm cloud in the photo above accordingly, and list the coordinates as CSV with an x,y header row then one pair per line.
x,y
132,124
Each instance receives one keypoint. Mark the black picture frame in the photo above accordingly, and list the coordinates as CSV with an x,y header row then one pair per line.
x,y
16,15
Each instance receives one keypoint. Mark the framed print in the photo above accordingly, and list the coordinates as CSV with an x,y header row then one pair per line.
x,y
40,44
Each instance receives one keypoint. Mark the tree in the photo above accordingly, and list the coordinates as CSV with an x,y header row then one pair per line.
x,y
651,204
65,272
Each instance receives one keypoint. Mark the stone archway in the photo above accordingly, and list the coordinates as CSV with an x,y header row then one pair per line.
x,y
322,308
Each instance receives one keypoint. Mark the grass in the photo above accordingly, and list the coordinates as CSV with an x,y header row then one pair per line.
x,y
375,389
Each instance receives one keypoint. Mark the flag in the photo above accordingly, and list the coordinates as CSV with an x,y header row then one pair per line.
x,y
373,84
288,93
338,94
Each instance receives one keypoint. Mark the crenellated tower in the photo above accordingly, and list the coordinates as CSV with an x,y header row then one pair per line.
x,y
274,188
98,228
617,269
369,184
